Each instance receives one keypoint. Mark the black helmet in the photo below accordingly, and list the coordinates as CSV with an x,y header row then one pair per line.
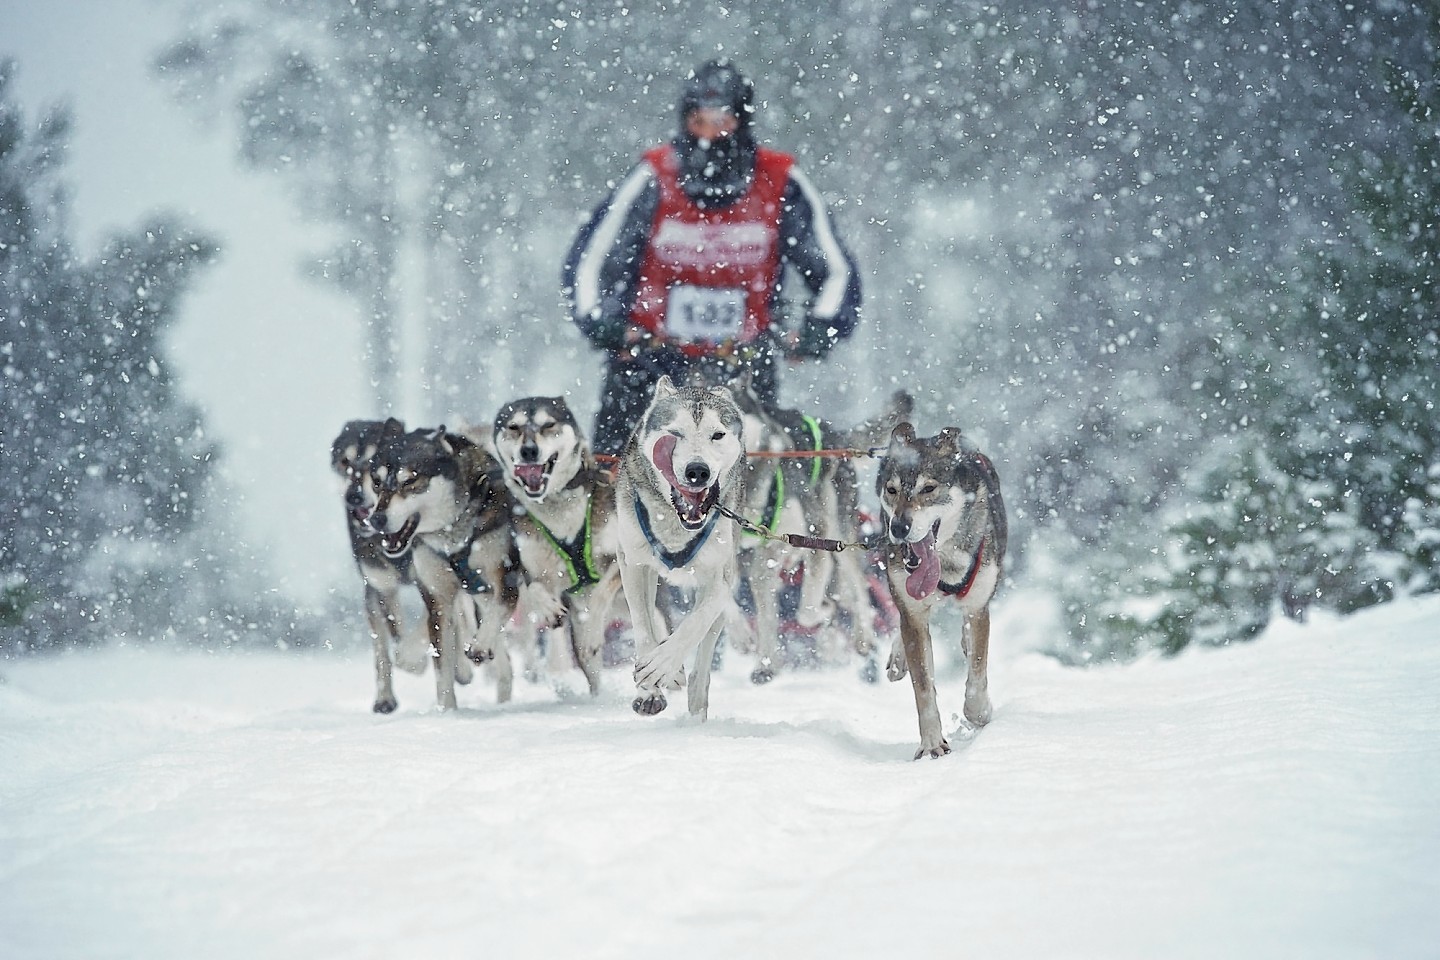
x,y
717,83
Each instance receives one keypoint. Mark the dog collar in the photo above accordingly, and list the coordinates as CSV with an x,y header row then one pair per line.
x,y
677,558
959,590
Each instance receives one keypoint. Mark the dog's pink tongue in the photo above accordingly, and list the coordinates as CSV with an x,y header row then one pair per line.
x,y
532,475
926,576
663,455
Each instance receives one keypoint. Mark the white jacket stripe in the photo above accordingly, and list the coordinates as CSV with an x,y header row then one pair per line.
x,y
832,292
587,272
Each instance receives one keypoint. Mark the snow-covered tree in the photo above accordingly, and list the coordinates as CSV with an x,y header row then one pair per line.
x,y
98,453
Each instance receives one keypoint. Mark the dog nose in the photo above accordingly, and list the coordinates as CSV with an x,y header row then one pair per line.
x,y
899,528
354,498
697,473
529,453
378,520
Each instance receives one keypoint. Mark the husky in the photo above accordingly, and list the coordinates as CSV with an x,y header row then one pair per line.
x,y
563,525
813,496
437,495
384,577
947,530
680,485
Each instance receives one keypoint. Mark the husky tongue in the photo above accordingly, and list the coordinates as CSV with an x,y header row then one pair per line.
x,y
532,475
663,455
691,504
925,575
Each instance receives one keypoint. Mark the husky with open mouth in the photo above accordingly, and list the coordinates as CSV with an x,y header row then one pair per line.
x,y
681,482
563,525
437,495
947,530
384,577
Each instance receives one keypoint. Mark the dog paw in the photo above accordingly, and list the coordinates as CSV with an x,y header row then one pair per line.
x,y
464,672
413,655
896,668
479,655
649,704
385,705
659,669
762,674
977,711
935,751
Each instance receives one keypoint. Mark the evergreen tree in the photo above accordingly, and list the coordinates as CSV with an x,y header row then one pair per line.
x,y
1321,389
98,453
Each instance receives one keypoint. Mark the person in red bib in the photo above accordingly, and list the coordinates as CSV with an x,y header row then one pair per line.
x,y
680,269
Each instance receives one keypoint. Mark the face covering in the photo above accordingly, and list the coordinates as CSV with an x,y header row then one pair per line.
x,y
714,173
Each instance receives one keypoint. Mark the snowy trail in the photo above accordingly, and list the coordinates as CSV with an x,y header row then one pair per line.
x,y
1271,799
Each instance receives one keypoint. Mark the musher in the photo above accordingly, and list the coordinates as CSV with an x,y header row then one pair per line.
x,y
681,267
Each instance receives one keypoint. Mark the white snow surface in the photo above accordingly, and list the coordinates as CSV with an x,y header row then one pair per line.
x,y
1279,798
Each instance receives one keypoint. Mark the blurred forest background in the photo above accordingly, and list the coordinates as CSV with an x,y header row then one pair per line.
x,y
1172,265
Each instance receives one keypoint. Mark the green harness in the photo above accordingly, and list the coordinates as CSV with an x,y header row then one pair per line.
x,y
578,556
775,502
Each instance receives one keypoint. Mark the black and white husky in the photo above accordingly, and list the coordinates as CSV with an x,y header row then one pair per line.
x,y
684,462
384,577
947,530
437,495
563,527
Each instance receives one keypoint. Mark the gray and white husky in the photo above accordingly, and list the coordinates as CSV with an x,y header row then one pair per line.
x,y
947,530
684,462
811,496
563,527
384,577
438,495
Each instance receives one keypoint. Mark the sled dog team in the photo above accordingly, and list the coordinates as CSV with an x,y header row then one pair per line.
x,y
518,530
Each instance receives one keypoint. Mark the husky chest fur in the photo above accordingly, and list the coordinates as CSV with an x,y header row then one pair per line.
x,y
947,531
682,469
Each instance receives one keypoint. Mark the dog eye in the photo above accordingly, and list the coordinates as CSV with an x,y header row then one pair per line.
x,y
929,488
892,488
718,435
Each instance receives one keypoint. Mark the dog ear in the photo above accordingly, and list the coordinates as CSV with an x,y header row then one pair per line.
x,y
903,434
665,388
950,442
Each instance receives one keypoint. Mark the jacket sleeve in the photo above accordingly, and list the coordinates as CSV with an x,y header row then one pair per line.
x,y
808,243
603,265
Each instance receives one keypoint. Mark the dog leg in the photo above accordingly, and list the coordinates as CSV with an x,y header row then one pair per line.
x,y
503,670
665,665
442,646
641,584
698,692
467,624
815,605
382,629
895,667
764,570
587,635
915,632
977,652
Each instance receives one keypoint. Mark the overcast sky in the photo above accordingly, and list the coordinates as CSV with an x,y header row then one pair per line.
x,y
271,358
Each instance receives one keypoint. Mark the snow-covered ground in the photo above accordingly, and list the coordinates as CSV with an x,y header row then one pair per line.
x,y
1276,799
